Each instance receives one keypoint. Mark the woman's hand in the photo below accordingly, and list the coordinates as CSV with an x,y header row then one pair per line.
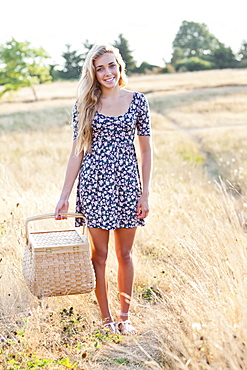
x,y
142,207
62,207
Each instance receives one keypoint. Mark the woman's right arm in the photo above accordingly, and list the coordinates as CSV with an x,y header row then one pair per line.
x,y
73,167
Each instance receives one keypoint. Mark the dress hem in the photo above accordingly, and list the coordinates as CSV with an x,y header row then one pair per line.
x,y
113,228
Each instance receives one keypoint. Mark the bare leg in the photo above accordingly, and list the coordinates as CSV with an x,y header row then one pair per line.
x,y
99,244
124,239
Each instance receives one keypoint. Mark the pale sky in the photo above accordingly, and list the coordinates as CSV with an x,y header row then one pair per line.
x,y
149,26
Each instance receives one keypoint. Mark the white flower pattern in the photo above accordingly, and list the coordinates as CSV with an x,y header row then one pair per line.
x,y
109,182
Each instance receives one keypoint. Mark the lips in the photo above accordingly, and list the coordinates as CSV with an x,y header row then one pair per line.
x,y
109,79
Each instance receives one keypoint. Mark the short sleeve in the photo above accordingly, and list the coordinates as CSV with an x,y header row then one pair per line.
x,y
143,117
75,121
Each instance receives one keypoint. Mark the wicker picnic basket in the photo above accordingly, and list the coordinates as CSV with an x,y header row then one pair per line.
x,y
57,262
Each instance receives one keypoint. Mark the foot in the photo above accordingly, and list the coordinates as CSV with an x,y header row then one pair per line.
x,y
125,328
110,327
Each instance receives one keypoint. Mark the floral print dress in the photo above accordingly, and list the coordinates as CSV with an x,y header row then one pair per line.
x,y
109,182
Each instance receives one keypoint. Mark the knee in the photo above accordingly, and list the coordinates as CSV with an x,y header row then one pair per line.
x,y
99,258
124,257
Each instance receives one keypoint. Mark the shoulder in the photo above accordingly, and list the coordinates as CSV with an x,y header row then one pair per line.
x,y
138,96
133,94
75,112
75,106
140,100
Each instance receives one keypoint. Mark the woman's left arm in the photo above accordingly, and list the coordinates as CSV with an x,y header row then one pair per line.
x,y
146,164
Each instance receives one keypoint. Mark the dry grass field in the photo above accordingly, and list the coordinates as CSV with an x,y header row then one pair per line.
x,y
190,289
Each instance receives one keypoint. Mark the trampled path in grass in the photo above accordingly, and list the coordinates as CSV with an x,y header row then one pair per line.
x,y
210,118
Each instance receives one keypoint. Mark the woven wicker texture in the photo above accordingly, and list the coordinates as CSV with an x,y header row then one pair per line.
x,y
57,238
58,263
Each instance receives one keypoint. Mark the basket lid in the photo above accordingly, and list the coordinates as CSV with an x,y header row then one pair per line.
x,y
41,240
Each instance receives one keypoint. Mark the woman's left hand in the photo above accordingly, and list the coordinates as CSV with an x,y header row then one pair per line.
x,y
142,207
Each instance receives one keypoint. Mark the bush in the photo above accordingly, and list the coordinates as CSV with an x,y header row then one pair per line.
x,y
193,64
147,68
242,64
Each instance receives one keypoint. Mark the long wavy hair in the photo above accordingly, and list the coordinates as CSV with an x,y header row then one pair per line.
x,y
89,92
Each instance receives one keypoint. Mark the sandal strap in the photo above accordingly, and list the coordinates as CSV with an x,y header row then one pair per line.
x,y
111,325
126,328
125,314
124,322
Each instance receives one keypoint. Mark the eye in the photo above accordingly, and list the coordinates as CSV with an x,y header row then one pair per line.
x,y
99,69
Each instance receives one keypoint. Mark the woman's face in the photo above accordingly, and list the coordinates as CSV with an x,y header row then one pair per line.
x,y
107,71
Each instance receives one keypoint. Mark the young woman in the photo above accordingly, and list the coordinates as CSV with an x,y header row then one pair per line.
x,y
109,191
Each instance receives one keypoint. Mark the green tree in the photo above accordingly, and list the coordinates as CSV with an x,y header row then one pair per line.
x,y
195,40
223,57
54,72
242,54
87,46
73,64
177,55
123,46
22,66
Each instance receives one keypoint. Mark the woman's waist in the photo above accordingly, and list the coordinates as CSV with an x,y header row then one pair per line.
x,y
111,154
107,144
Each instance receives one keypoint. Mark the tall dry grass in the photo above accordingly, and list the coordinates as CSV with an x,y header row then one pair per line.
x,y
189,300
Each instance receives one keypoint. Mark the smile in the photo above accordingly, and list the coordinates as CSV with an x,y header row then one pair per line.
x,y
109,79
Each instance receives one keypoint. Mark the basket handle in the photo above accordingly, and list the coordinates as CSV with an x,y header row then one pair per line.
x,y
48,215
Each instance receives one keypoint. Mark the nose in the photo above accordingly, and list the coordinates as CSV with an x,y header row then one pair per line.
x,y
107,72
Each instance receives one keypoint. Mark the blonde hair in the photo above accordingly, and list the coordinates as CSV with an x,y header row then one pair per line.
x,y
89,92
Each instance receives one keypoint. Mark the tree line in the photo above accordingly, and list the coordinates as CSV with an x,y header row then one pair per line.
x,y
194,48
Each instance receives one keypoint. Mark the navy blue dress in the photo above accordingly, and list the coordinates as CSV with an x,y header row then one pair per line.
x,y
109,182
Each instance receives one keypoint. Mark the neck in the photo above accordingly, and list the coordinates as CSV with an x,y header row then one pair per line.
x,y
107,93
